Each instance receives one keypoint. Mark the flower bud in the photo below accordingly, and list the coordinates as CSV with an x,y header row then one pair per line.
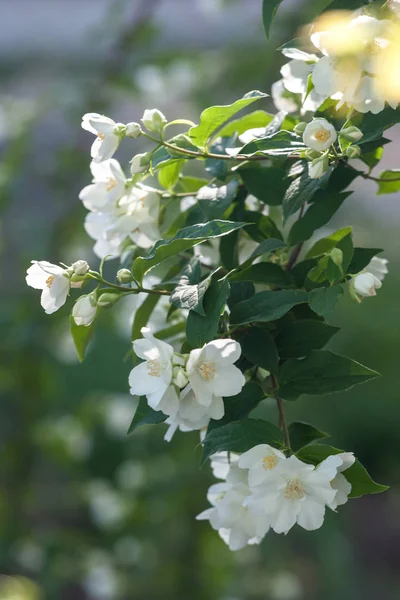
x,y
80,267
84,311
140,163
133,130
154,120
351,134
77,281
180,378
300,127
353,151
108,299
124,276
318,167
365,284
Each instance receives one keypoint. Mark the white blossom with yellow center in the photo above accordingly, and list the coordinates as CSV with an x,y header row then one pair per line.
x,y
319,135
107,187
260,460
211,371
54,282
107,134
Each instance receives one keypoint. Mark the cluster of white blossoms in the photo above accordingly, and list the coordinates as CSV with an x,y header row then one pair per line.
x,y
188,388
352,48
121,210
263,489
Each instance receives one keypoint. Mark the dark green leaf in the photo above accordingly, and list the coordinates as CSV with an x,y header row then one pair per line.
x,y
281,143
267,273
220,168
361,258
214,117
81,336
240,406
145,415
268,184
325,245
298,338
316,216
389,187
259,348
214,200
301,190
263,226
269,10
266,306
143,314
302,434
199,329
184,239
240,291
258,118
357,475
321,372
373,126
191,297
265,248
323,300
241,436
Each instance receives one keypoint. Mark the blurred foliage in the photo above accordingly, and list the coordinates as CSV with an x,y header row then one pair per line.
x,y
86,512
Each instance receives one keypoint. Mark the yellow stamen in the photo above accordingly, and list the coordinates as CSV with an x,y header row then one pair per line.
x,y
101,136
110,184
294,490
270,462
207,370
154,368
322,135
49,281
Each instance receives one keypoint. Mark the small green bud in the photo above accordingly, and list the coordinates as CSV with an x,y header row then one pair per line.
x,y
300,127
353,151
108,299
319,167
133,130
351,134
140,163
124,276
80,267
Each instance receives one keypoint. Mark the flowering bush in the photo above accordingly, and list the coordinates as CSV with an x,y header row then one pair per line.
x,y
229,252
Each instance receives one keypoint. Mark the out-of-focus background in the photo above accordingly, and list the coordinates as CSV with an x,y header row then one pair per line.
x,y
85,511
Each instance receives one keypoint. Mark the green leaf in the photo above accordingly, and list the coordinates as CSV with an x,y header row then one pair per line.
x,y
81,336
301,190
302,434
144,415
220,168
281,143
323,300
166,156
191,297
169,174
186,238
240,291
268,184
325,245
357,475
268,13
321,372
316,216
240,406
241,436
265,248
267,273
214,199
373,126
203,329
266,306
298,338
361,258
191,184
259,348
258,118
263,226
214,117
389,187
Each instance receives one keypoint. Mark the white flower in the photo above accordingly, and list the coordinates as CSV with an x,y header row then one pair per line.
x,y
190,415
339,482
221,463
54,282
152,377
211,370
238,525
296,492
283,100
84,311
318,167
260,460
319,135
154,120
378,267
108,135
366,284
107,188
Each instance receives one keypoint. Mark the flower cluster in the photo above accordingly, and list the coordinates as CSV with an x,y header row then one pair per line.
x,y
188,388
265,490
353,48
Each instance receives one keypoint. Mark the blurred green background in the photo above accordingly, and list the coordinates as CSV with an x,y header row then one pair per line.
x,y
86,512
